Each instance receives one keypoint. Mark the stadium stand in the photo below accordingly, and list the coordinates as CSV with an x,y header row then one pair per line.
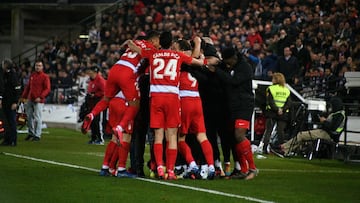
x,y
329,31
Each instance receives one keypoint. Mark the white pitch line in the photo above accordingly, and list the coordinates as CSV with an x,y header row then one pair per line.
x,y
50,162
205,190
308,171
143,179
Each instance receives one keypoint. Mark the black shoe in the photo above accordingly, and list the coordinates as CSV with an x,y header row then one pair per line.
x,y
5,143
36,139
277,152
12,144
140,173
237,174
29,137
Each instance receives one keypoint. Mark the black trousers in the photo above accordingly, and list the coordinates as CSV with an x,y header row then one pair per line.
x,y
10,127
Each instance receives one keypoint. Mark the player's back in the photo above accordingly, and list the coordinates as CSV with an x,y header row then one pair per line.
x,y
165,67
132,59
188,85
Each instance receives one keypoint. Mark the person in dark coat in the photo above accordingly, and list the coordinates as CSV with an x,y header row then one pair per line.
x,y
237,78
9,101
288,65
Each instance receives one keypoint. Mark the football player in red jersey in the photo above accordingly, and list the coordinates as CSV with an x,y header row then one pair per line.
x,y
122,84
164,97
192,118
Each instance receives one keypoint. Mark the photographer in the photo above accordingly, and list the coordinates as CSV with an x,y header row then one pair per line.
x,y
331,129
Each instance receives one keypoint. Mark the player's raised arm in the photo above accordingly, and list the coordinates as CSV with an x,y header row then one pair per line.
x,y
197,46
205,61
131,45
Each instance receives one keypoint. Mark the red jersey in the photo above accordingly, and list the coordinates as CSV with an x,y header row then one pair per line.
x,y
123,75
165,70
188,85
96,86
132,59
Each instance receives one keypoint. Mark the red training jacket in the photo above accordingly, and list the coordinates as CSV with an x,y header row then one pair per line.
x,y
96,86
38,86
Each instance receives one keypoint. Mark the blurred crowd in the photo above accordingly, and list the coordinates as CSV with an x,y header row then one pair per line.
x,y
321,39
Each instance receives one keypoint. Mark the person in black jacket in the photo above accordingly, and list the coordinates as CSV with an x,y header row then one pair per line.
x,y
238,83
2,117
331,129
288,65
216,112
9,101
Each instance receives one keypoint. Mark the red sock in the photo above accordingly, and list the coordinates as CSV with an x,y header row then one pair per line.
x,y
123,154
185,151
129,116
170,159
99,107
208,152
241,158
246,151
166,154
114,158
110,149
152,158
243,164
158,154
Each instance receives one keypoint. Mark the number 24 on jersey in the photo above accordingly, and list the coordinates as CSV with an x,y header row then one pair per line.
x,y
163,68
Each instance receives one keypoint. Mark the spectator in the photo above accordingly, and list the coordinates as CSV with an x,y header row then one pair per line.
x,y
254,37
35,93
8,103
288,65
283,42
302,54
329,83
269,63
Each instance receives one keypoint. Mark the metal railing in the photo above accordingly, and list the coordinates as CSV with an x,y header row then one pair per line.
x,y
34,51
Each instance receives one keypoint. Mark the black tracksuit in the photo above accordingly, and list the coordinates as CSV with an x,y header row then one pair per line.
x,y
10,96
216,111
238,81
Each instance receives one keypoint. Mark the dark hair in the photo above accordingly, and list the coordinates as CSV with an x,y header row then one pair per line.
x,y
141,37
94,68
39,60
165,39
152,34
228,53
184,45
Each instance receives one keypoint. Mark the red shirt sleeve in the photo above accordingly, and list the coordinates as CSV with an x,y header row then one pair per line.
x,y
185,58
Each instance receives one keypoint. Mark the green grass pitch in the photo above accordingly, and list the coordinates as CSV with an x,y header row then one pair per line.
x,y
280,180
